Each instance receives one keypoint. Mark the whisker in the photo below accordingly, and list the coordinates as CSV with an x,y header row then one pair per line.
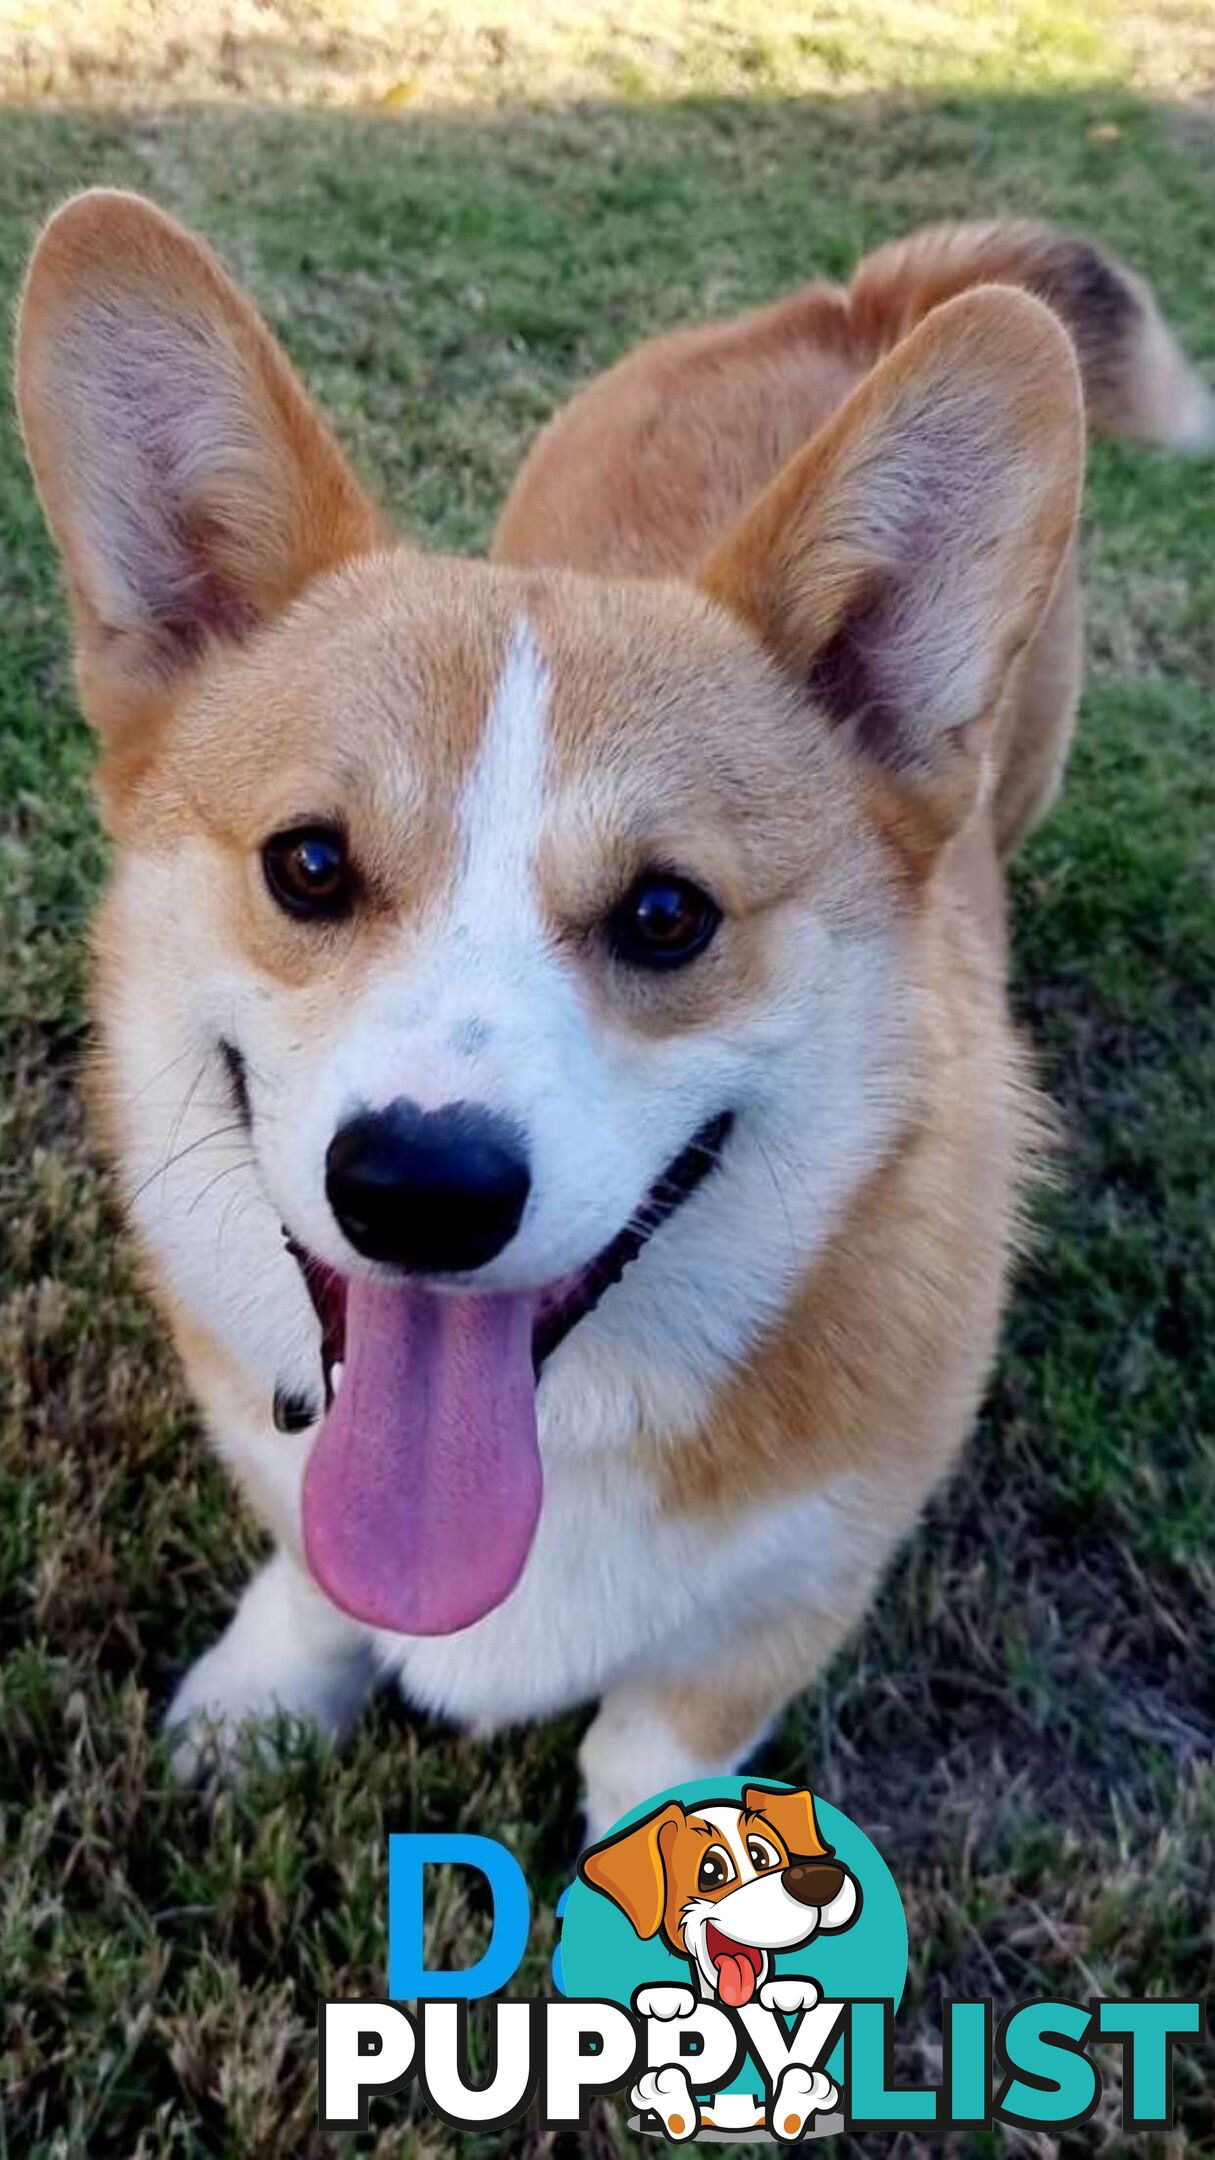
x,y
242,1201
172,1065
162,1169
246,1163
183,1109
779,1190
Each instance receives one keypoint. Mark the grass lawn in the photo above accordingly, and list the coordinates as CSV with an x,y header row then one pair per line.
x,y
451,224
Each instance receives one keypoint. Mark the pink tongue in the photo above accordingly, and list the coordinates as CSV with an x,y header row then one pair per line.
x,y
422,1491
735,1978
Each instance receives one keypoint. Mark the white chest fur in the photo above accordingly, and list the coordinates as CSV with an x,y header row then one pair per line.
x,y
613,1587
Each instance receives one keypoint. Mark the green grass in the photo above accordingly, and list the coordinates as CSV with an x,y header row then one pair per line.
x,y
1026,1722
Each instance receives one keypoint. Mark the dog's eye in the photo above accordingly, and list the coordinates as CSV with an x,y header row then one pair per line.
x,y
761,1855
309,872
715,1869
663,921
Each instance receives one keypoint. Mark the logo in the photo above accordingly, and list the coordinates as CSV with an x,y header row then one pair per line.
x,y
731,1959
735,1919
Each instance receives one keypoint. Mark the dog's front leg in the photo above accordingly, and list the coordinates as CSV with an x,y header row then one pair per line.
x,y
646,1738
633,1749
287,1652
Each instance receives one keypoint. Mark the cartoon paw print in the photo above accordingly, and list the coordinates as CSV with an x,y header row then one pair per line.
x,y
790,1994
665,2002
667,2092
800,2095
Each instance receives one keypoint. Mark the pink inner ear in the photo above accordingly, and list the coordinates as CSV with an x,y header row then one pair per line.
x,y
197,604
925,518
846,681
160,435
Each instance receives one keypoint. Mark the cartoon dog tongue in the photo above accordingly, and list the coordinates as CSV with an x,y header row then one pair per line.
x,y
736,1970
422,1491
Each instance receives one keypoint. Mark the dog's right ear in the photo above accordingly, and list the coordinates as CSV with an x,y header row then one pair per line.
x,y
903,559
191,485
630,1868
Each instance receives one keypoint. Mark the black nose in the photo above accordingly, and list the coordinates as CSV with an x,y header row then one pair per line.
x,y
437,1191
813,1882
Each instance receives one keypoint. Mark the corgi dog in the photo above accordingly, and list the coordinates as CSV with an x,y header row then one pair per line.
x,y
551,1012
728,1885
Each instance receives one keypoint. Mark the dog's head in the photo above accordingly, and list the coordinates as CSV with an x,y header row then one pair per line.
x,y
726,1885
475,925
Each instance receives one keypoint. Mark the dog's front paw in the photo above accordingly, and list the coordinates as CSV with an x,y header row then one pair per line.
x,y
667,2093
280,1665
220,1728
800,2095
790,1993
664,2002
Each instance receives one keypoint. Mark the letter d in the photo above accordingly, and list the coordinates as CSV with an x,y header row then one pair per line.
x,y
409,1979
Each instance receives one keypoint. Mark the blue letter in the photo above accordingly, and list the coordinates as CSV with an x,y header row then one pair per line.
x,y
870,2097
409,1979
1149,2029
968,2057
1045,2041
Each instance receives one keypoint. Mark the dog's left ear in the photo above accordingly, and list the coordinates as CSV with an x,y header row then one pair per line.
x,y
901,562
191,484
792,1816
630,1868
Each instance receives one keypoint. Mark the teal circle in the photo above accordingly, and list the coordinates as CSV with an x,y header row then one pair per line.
x,y
600,1955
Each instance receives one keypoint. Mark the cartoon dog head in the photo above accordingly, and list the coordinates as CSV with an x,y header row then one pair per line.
x,y
727,1884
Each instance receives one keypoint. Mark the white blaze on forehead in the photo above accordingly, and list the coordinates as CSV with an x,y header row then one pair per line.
x,y
728,1821
472,1004
503,801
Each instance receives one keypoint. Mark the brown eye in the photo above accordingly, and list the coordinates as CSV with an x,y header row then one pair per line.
x,y
715,1869
761,1855
309,872
663,922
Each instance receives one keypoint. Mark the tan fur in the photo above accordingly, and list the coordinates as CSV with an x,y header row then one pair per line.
x,y
803,592
614,659
921,1257
883,1361
718,1717
818,540
645,469
279,504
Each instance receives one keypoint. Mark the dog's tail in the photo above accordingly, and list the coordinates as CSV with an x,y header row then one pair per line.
x,y
1138,383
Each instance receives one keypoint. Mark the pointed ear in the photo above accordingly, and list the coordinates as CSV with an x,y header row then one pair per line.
x,y
192,487
792,1816
630,1869
903,559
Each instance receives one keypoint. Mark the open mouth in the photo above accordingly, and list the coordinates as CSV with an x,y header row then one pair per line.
x,y
737,1966
422,1490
